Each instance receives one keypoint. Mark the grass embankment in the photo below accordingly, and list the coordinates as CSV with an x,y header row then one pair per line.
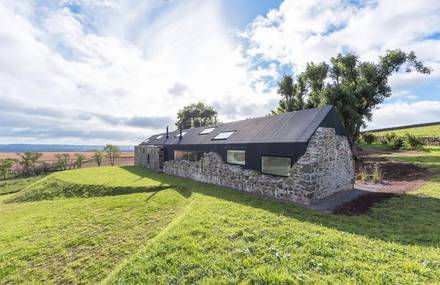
x,y
429,131
80,240
15,185
219,236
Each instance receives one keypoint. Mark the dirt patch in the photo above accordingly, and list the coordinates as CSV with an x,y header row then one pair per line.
x,y
395,171
362,204
398,178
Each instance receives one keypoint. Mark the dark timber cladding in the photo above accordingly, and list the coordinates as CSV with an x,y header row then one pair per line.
x,y
280,135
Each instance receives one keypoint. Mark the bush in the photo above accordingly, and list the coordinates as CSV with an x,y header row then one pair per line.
x,y
377,175
368,138
396,143
363,176
413,142
389,138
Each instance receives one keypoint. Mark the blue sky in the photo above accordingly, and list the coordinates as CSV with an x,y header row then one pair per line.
x,y
113,71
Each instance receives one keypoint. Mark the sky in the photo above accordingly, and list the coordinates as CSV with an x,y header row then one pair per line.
x,y
109,71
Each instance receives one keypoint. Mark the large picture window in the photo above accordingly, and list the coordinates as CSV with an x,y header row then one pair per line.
x,y
275,165
236,157
188,155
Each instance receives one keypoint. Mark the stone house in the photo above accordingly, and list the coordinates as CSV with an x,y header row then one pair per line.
x,y
300,156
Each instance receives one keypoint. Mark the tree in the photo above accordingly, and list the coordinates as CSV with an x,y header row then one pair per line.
x,y
63,160
196,115
352,86
79,160
6,166
292,95
112,152
98,157
28,162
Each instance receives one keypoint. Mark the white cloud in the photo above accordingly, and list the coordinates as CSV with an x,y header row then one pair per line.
x,y
75,70
122,60
304,31
400,114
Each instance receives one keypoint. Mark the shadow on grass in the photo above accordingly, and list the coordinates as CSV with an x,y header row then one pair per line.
x,y
54,190
405,219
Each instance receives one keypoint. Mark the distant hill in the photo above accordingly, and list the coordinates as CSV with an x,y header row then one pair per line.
x,y
55,147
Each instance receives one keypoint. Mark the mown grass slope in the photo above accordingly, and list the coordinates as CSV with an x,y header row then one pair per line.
x,y
80,240
217,236
428,131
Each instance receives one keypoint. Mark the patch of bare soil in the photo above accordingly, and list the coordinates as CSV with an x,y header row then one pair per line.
x,y
398,178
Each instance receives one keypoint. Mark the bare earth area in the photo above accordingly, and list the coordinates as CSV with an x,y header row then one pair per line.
x,y
398,179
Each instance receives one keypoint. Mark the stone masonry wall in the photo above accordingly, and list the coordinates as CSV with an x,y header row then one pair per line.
x,y
325,168
155,162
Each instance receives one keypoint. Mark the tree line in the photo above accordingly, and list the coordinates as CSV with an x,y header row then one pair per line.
x,y
28,163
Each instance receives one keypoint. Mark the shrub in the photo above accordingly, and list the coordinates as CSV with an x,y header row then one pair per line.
x,y
363,176
6,167
412,141
368,138
396,143
377,175
389,138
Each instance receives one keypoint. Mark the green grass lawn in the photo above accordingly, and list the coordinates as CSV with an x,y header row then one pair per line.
x,y
429,131
429,157
168,230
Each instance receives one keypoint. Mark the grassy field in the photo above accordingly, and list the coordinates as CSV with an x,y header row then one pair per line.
x,y
147,228
428,157
428,131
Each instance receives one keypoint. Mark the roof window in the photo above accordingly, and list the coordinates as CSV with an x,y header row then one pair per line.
x,y
206,131
183,133
223,135
159,137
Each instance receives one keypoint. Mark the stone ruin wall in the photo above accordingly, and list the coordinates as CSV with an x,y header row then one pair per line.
x,y
156,154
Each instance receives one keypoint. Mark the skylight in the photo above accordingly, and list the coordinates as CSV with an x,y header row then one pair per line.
x,y
183,133
159,137
223,135
206,131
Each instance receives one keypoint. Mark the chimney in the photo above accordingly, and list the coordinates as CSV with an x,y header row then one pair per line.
x,y
167,134
180,133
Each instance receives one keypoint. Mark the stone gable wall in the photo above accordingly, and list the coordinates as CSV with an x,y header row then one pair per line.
x,y
141,153
325,168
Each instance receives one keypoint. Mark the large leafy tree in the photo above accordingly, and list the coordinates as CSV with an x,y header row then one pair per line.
x,y
196,115
353,86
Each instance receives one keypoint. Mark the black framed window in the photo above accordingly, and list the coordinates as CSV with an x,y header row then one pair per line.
x,y
188,155
275,165
235,156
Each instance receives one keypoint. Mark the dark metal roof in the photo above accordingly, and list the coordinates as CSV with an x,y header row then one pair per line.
x,y
290,127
